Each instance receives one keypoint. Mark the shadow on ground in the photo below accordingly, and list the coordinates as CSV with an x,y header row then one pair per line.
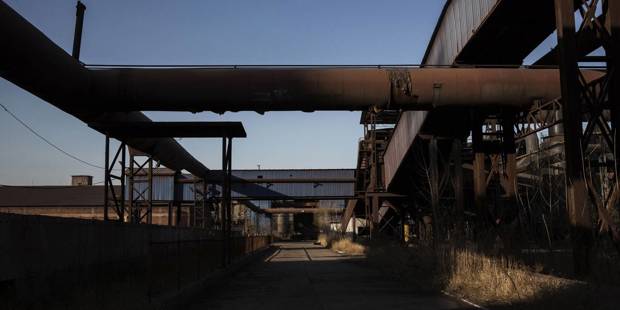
x,y
302,275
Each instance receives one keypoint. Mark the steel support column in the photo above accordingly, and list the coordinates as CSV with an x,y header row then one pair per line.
x,y
194,206
508,215
459,195
199,209
433,153
140,201
479,174
131,189
613,72
226,202
375,206
110,195
205,209
149,217
229,198
368,214
613,75
170,214
106,186
509,178
578,212
177,197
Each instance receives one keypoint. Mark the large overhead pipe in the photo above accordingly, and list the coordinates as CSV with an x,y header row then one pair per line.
x,y
322,89
34,63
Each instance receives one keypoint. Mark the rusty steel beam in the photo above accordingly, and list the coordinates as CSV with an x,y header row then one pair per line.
x,y
33,62
348,214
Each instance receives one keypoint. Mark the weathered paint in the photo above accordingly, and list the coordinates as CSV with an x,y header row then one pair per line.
x,y
457,23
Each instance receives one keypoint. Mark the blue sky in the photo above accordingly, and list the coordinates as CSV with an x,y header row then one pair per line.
x,y
213,32
267,32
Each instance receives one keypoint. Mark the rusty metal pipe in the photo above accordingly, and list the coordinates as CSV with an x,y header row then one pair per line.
x,y
33,62
263,90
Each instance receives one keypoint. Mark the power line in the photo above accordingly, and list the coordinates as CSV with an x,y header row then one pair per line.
x,y
47,141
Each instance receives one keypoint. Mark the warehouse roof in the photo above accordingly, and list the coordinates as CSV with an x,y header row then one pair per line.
x,y
51,196
290,184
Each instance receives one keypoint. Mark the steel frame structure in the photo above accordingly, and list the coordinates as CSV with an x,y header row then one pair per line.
x,y
199,214
446,184
580,99
111,197
226,198
494,166
140,201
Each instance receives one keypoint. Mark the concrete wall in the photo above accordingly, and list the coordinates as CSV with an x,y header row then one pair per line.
x,y
60,263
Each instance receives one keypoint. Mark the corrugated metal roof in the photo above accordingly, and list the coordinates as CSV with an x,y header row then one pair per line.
x,y
458,23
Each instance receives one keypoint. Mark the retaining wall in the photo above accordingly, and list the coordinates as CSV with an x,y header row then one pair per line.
x,y
61,263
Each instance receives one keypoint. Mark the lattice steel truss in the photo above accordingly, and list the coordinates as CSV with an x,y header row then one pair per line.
x,y
114,197
140,198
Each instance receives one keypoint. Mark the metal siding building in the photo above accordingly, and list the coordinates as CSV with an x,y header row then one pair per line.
x,y
313,190
163,185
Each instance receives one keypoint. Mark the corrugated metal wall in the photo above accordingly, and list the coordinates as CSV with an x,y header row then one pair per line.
x,y
459,22
293,190
163,185
405,132
461,19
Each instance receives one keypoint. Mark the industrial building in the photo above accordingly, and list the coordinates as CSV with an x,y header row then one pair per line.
x,y
254,193
471,149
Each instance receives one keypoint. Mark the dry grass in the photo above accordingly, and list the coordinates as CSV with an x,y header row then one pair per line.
x,y
501,283
341,244
495,282
325,239
348,246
